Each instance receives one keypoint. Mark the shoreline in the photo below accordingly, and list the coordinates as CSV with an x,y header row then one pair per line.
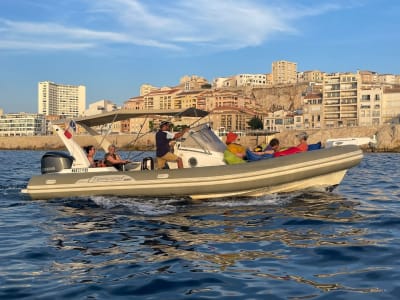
x,y
388,137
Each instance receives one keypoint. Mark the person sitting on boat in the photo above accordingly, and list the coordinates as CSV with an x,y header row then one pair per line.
x,y
163,145
234,153
90,153
271,148
112,159
259,152
303,145
233,146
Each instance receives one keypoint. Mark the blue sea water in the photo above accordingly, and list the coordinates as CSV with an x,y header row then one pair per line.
x,y
311,245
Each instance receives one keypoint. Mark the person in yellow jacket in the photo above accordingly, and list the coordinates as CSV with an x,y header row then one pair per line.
x,y
234,153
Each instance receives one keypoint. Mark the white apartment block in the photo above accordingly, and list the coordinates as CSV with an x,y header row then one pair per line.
x,y
253,80
63,100
223,82
99,107
284,72
22,124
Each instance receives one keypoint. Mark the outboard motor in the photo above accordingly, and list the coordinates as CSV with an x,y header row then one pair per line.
x,y
148,163
52,162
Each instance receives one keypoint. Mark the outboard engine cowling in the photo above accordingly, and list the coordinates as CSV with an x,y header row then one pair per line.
x,y
52,162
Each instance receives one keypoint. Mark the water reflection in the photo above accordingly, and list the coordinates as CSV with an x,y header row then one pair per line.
x,y
203,237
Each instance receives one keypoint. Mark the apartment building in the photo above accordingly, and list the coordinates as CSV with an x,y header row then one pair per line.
x,y
231,119
60,99
22,124
312,111
284,72
147,88
340,106
252,80
310,76
369,105
99,107
391,105
193,82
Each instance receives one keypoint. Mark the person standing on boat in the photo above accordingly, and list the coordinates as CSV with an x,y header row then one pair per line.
x,y
112,159
163,148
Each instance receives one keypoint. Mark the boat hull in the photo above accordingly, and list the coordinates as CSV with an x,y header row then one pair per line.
x,y
314,169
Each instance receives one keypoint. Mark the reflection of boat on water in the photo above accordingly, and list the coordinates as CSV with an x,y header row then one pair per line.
x,y
205,174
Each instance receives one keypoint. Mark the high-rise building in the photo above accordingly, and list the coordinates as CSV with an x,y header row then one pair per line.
x,y
284,72
60,99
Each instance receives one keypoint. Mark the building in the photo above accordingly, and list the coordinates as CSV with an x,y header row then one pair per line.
x,y
284,72
253,80
58,99
194,82
22,124
310,76
391,105
340,105
99,107
312,110
369,105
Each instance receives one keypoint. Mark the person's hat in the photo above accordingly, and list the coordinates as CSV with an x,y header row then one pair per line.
x,y
302,135
258,148
164,123
231,137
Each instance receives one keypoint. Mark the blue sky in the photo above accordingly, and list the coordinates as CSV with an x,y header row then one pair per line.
x,y
114,46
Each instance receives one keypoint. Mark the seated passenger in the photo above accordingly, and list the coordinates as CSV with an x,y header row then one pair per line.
x,y
258,153
235,148
272,147
302,146
90,153
113,159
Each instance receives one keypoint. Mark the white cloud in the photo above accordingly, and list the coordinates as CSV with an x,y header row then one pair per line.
x,y
177,25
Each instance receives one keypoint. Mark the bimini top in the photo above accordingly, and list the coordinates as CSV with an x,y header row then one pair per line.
x,y
124,114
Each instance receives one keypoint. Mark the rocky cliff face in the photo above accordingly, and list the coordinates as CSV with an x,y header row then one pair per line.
x,y
282,97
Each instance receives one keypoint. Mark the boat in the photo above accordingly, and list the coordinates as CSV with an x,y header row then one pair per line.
x,y
205,174
359,141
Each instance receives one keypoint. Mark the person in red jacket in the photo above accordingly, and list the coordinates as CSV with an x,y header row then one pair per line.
x,y
303,145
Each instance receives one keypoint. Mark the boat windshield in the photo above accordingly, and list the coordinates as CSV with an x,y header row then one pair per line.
x,y
203,138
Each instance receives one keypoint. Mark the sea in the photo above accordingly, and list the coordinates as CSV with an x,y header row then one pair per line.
x,y
343,244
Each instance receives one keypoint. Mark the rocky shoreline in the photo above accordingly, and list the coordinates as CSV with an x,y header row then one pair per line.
x,y
388,137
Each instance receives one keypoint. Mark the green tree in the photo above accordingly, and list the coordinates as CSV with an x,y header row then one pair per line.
x,y
256,123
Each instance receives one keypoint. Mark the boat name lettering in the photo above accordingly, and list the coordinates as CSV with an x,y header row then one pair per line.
x,y
110,178
80,170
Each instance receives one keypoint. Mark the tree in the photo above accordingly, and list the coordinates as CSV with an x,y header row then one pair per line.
x,y
256,123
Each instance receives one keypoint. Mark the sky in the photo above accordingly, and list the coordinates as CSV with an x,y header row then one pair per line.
x,y
114,46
